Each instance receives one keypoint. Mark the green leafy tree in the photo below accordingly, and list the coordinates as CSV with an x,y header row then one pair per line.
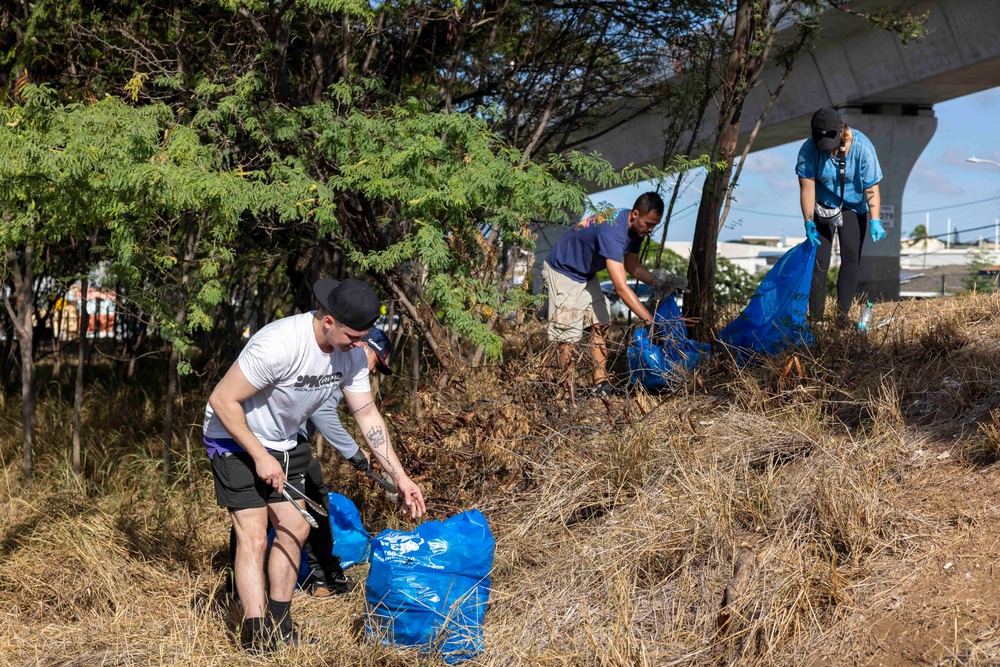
x,y
127,176
527,74
976,279
426,203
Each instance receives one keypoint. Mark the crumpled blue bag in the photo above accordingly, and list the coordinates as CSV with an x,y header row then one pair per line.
x,y
351,542
777,315
655,365
429,588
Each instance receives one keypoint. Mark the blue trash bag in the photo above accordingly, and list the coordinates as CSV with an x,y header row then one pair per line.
x,y
776,316
429,588
655,365
351,542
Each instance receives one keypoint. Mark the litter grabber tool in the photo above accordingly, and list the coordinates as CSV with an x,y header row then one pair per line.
x,y
391,491
305,515
309,501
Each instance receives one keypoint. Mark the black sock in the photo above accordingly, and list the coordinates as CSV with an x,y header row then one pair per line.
x,y
281,615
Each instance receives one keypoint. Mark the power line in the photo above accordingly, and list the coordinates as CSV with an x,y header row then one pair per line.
x,y
945,208
955,231
767,213
678,212
923,210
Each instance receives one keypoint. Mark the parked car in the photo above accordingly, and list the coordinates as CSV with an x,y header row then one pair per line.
x,y
619,310
383,322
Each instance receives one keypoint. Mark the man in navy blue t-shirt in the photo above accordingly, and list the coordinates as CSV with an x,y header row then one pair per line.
x,y
576,301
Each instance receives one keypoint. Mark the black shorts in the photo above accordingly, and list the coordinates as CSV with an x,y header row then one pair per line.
x,y
238,487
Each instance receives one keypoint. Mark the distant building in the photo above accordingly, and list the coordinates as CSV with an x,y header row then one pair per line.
x,y
753,254
101,305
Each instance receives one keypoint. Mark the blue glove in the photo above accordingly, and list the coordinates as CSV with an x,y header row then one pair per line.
x,y
878,231
813,234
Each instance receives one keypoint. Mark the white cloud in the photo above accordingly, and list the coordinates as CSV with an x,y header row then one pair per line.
x,y
766,162
932,180
783,184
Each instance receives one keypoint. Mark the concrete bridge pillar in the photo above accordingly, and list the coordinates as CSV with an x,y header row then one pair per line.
x,y
900,133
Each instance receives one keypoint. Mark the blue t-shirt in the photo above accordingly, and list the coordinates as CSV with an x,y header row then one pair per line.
x,y
586,248
863,171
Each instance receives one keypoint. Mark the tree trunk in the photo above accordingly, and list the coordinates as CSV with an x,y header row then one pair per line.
x,y
23,319
81,362
743,66
191,244
27,401
699,305
426,323
136,352
168,419
415,372
57,349
6,350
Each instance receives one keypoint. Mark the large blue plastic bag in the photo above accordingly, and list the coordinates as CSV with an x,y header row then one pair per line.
x,y
776,316
429,588
351,542
658,364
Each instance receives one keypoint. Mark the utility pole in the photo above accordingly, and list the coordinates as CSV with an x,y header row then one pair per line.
x,y
947,239
927,233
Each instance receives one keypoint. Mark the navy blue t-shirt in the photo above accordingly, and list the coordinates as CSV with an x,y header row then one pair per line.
x,y
586,248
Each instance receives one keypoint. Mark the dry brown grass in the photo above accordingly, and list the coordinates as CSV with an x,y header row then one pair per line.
x,y
853,487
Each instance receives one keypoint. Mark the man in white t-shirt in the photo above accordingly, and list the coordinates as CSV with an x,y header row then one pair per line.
x,y
289,369
326,576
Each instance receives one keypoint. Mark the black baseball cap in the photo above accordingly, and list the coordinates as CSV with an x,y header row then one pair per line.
x,y
826,129
352,302
380,344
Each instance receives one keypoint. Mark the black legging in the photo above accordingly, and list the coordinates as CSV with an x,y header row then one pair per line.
x,y
852,238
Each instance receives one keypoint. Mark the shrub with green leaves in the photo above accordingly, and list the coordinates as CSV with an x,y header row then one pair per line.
x,y
426,203
131,178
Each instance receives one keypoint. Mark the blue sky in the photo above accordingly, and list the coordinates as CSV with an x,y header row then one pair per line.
x,y
941,179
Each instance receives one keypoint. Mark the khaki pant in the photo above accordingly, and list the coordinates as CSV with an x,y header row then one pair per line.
x,y
573,306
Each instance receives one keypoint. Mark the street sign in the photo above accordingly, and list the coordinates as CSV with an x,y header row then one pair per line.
x,y
888,213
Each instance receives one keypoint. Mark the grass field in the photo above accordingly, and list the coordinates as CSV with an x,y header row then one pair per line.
x,y
836,506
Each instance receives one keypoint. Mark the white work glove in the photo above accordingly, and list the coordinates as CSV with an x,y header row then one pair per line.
x,y
667,283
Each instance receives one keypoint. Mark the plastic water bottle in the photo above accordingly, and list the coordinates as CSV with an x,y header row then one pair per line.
x,y
865,321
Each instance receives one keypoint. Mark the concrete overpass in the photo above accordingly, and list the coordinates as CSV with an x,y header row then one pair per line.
x,y
884,89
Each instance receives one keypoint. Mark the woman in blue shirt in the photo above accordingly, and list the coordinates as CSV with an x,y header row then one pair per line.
x,y
838,189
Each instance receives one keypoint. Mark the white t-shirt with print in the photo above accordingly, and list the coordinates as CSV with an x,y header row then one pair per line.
x,y
294,376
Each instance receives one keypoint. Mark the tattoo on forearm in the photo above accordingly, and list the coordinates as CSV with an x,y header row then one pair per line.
x,y
377,438
869,195
362,407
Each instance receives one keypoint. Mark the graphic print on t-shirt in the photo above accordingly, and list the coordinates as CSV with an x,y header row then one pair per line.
x,y
598,219
311,382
